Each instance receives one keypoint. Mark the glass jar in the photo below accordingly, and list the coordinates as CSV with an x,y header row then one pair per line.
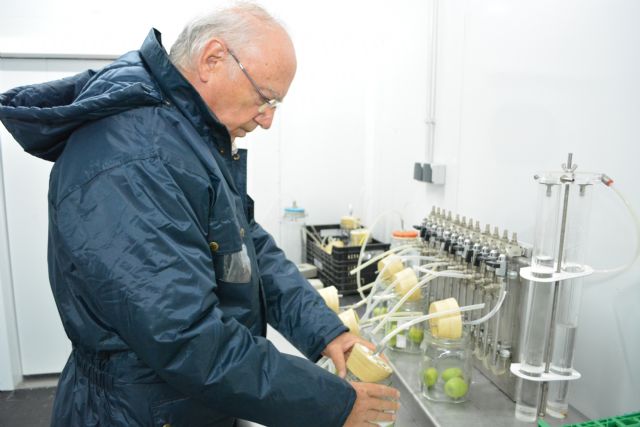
x,y
446,368
387,382
410,238
408,341
364,366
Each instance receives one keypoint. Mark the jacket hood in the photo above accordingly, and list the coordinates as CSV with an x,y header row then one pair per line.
x,y
42,116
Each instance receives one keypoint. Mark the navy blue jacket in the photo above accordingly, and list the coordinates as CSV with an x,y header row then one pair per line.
x,y
163,280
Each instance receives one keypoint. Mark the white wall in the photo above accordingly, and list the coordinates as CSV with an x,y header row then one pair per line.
x,y
519,85
10,368
43,344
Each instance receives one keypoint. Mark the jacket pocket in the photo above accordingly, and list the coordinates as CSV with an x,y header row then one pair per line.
x,y
234,267
187,412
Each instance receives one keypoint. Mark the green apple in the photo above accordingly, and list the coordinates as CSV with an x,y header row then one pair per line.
x,y
456,388
379,311
430,376
416,334
449,373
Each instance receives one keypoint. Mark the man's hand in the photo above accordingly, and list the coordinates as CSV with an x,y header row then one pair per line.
x,y
372,405
339,349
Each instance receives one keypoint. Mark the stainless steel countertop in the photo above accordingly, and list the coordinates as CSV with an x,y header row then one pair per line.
x,y
487,405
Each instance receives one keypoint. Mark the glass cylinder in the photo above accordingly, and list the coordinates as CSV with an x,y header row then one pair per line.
x,y
410,340
535,330
546,235
511,302
566,326
527,400
533,346
446,368
577,223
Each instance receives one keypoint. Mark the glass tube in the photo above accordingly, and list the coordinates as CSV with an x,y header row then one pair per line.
x,y
533,346
570,291
577,226
527,399
508,319
547,222
539,302
568,308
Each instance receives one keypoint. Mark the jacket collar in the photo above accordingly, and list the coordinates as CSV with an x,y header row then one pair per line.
x,y
181,93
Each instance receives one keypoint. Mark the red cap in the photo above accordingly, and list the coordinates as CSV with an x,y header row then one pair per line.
x,y
405,234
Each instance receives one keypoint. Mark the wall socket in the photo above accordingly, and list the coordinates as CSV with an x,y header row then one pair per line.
x,y
431,173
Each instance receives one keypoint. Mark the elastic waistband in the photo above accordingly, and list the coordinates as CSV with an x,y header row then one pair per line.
x,y
122,367
94,368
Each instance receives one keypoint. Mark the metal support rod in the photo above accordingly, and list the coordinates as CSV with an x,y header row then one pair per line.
x,y
556,287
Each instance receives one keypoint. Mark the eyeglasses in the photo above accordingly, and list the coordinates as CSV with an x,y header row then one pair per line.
x,y
268,102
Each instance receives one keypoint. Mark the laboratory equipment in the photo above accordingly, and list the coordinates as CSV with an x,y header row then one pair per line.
x,y
523,302
291,232
553,292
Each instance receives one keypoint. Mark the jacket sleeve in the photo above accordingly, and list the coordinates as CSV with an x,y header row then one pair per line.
x,y
135,238
294,307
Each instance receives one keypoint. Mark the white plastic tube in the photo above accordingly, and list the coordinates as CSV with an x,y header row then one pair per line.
x,y
396,316
391,251
491,313
420,319
413,290
373,285
636,221
375,298
364,244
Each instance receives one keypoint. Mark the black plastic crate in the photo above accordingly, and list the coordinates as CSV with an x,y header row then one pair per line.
x,y
334,268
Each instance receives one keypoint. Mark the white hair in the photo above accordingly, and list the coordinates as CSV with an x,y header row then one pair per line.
x,y
234,25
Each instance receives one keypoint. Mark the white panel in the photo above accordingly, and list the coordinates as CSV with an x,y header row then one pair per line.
x,y
44,346
10,369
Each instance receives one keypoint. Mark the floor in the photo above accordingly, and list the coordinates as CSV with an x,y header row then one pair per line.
x,y
26,407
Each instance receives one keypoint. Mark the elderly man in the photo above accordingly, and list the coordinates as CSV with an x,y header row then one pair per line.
x,y
163,280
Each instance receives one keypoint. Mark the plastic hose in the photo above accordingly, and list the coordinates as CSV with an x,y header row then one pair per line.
x,y
420,319
396,316
493,311
364,244
368,299
609,183
378,258
413,290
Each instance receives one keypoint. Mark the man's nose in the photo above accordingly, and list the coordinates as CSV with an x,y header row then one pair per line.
x,y
265,119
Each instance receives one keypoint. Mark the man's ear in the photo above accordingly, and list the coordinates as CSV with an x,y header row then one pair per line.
x,y
211,59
